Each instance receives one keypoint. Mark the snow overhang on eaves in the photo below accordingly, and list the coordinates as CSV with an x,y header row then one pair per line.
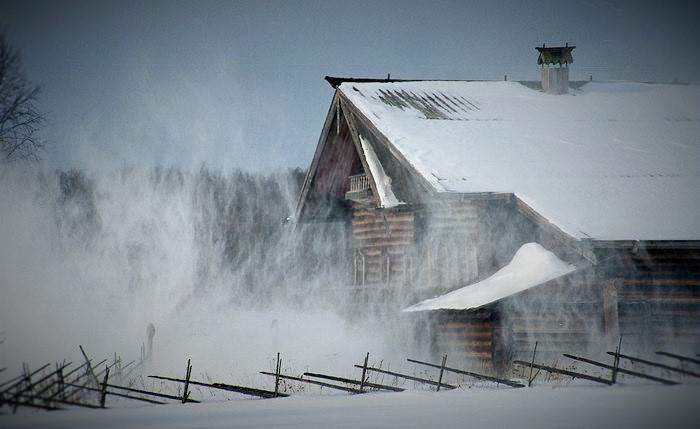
x,y
531,266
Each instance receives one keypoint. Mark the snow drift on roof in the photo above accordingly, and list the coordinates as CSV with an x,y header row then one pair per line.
x,y
387,198
611,161
532,265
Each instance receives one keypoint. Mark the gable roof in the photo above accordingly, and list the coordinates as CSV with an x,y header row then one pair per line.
x,y
609,161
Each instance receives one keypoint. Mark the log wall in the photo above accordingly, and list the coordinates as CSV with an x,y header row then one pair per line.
x,y
563,315
447,245
658,293
383,243
470,338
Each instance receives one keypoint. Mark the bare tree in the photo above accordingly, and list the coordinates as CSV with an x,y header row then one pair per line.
x,y
19,118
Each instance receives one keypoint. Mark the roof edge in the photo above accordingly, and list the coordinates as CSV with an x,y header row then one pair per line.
x,y
335,81
644,244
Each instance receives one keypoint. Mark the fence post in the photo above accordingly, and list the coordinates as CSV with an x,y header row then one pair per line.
x,y
364,371
616,361
277,375
185,392
442,371
530,379
103,391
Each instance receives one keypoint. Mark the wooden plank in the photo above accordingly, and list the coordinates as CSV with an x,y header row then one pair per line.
x,y
407,377
31,385
622,370
679,357
20,378
318,383
656,364
121,395
471,374
146,392
50,385
350,381
228,387
12,380
564,372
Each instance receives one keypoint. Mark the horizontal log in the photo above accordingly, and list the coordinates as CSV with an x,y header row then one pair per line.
x,y
350,381
382,241
622,370
466,333
467,325
375,218
679,357
407,377
563,372
465,342
656,364
251,391
121,395
466,350
383,246
469,373
318,383
146,392
367,226
470,354
20,379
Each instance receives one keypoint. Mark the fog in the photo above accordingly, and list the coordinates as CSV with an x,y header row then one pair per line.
x,y
92,258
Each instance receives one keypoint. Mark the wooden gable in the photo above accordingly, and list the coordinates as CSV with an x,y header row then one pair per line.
x,y
338,157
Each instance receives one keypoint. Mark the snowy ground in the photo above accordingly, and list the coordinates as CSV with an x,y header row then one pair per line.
x,y
640,406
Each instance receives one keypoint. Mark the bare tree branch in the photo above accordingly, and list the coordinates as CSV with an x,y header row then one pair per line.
x,y
20,120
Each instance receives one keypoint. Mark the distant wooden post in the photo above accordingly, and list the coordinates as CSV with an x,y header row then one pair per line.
x,y
532,363
364,372
442,370
277,375
150,333
185,392
103,390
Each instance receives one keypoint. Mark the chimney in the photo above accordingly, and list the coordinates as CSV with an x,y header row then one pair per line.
x,y
555,68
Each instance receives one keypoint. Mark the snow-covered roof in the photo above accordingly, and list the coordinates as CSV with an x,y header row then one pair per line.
x,y
531,265
609,161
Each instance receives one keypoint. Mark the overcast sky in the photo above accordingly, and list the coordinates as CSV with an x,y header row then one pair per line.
x,y
240,84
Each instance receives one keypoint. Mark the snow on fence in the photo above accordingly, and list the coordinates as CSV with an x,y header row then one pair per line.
x,y
87,386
